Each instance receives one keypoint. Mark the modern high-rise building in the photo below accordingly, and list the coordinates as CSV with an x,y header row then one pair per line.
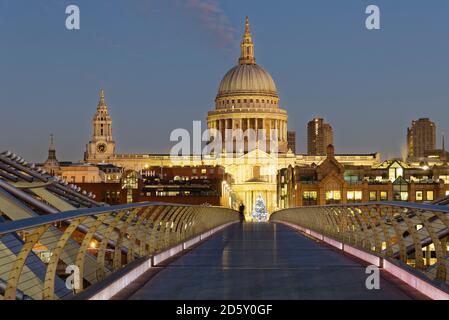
x,y
319,136
291,141
421,138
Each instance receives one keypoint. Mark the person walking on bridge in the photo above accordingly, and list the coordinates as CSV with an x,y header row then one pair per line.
x,y
242,213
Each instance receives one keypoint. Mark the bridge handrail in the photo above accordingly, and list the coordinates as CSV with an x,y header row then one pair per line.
x,y
14,226
35,252
403,231
411,205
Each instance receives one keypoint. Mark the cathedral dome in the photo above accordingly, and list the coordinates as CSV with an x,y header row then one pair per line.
x,y
247,79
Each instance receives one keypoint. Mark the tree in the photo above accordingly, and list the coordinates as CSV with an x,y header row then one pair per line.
x,y
260,211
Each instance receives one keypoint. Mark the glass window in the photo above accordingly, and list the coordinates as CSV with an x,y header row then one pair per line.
x,y
383,195
337,195
400,190
309,198
351,179
395,171
372,195
445,179
419,196
333,195
310,195
429,195
354,196
392,174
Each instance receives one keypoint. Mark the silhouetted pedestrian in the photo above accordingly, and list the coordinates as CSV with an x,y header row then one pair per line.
x,y
242,213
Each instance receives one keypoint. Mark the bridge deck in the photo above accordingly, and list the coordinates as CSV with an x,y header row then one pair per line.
x,y
265,261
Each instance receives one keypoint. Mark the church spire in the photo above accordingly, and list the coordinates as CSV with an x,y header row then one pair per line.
x,y
102,102
51,164
52,144
247,47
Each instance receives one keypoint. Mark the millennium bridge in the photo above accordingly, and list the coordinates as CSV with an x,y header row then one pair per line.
x,y
56,242
164,251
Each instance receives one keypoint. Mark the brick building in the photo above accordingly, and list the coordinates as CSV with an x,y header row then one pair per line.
x,y
331,182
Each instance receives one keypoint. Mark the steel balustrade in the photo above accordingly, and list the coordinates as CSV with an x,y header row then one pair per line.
x,y
35,252
392,230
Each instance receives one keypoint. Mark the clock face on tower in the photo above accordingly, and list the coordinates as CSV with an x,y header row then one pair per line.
x,y
101,148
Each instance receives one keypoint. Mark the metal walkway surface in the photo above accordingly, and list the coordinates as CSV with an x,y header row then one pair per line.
x,y
265,261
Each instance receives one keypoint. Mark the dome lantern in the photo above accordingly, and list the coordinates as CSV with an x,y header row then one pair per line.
x,y
247,47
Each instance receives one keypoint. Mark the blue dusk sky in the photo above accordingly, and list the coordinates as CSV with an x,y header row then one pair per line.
x,y
160,63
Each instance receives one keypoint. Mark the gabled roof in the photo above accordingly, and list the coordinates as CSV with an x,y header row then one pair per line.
x,y
388,163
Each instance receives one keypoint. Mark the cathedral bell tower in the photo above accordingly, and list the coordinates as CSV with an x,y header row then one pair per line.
x,y
102,146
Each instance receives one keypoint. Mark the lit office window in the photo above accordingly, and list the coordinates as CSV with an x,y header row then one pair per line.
x,y
419,196
445,179
395,171
310,195
404,196
372,195
350,195
354,195
333,196
430,196
383,195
